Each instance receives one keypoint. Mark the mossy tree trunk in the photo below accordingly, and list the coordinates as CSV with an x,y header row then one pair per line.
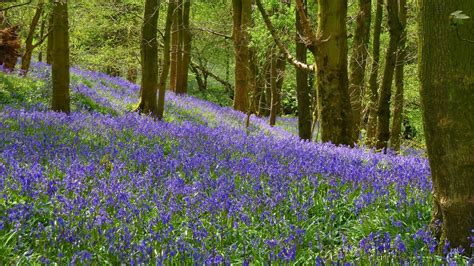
x,y
303,94
60,57
396,131
149,59
447,92
383,106
333,92
358,62
374,75
242,11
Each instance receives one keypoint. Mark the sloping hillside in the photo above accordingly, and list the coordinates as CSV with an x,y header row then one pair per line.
x,y
107,185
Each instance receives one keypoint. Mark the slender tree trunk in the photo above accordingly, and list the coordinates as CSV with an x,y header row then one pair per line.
x,y
179,63
60,58
242,10
185,35
360,48
166,60
273,89
374,75
446,54
333,92
174,48
149,59
303,95
281,67
396,133
49,48
26,58
383,112
42,29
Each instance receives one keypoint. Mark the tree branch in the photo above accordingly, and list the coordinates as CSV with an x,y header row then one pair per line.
x,y
290,58
212,75
213,32
310,36
10,7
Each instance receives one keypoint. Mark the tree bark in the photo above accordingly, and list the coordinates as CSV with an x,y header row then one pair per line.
x,y
358,63
333,94
166,60
60,58
447,86
395,135
383,112
149,59
241,21
302,89
374,75
9,47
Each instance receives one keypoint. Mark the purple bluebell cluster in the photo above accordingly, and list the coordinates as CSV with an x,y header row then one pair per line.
x,y
198,188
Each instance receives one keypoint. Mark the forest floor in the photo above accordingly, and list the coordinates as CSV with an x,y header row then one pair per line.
x,y
107,185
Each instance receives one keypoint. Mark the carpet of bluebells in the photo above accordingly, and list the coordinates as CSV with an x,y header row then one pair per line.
x,y
106,185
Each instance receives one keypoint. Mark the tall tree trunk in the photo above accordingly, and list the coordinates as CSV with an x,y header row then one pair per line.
x,y
149,58
303,95
26,58
166,60
358,63
179,62
50,43
185,35
60,58
41,35
174,48
374,75
447,86
242,11
273,89
333,92
395,135
383,112
281,67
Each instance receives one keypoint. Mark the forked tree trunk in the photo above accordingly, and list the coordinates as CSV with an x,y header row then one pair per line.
x,y
29,46
383,112
333,92
360,48
242,10
60,58
374,75
149,59
166,60
396,132
447,86
302,89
